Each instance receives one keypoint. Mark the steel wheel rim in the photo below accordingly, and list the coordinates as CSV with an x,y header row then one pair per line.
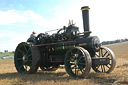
x,y
23,58
105,52
75,64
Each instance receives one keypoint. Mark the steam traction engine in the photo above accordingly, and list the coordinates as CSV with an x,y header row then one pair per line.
x,y
78,52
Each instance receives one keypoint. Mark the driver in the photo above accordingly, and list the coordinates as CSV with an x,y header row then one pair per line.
x,y
33,35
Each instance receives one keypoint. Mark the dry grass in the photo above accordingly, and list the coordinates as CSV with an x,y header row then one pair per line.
x,y
9,75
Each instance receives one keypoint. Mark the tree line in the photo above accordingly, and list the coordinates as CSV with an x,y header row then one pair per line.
x,y
114,41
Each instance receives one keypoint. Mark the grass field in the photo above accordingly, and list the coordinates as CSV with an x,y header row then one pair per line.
x,y
9,75
8,54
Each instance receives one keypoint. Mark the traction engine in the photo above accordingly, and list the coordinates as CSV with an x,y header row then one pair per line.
x,y
78,52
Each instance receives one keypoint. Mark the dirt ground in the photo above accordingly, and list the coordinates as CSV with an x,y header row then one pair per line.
x,y
119,76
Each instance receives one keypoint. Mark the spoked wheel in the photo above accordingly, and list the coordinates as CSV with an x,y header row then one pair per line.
x,y
105,52
77,62
26,58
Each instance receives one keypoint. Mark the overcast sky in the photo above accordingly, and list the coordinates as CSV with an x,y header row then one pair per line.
x,y
18,18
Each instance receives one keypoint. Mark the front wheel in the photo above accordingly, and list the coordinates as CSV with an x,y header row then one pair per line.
x,y
105,52
77,62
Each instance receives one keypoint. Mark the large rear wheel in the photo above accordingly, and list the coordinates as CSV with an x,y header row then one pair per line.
x,y
77,62
26,58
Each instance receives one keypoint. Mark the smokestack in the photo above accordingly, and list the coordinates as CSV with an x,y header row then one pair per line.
x,y
85,14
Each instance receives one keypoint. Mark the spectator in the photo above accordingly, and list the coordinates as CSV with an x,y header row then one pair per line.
x,y
33,35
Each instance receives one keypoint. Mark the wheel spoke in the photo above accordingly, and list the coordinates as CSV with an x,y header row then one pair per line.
x,y
107,66
72,63
25,48
81,69
72,68
98,66
75,70
104,68
101,68
28,51
29,55
105,53
19,59
97,55
26,67
81,64
76,64
102,52
80,58
78,51
21,52
22,64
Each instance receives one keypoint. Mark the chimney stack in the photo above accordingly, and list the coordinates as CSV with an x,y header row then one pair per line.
x,y
85,14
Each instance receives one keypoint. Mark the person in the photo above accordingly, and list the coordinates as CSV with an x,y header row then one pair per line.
x,y
33,35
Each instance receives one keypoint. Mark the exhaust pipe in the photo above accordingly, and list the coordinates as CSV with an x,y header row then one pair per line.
x,y
85,14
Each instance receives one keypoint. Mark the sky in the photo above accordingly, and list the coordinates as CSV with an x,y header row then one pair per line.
x,y
19,18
